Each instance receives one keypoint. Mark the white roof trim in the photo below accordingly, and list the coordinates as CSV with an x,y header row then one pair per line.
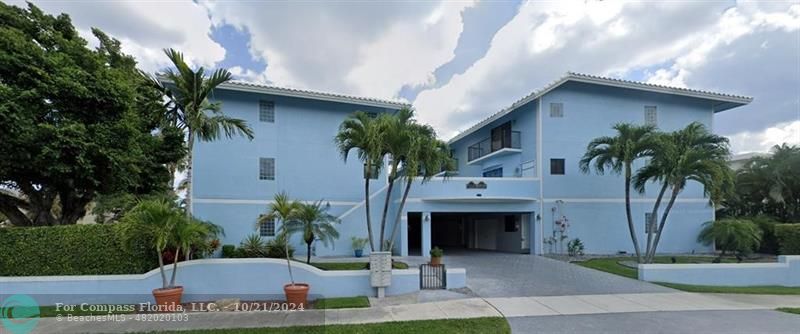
x,y
314,95
605,81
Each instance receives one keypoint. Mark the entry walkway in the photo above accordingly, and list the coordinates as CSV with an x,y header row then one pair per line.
x,y
453,309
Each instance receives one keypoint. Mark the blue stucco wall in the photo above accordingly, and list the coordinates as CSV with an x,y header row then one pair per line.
x,y
785,272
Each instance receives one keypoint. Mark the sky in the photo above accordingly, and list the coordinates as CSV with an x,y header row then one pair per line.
x,y
460,61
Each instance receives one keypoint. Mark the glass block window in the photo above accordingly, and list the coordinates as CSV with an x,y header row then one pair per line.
x,y
266,168
651,115
267,228
556,110
266,111
556,166
649,223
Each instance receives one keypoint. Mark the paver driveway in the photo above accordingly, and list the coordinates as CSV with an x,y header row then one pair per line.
x,y
493,274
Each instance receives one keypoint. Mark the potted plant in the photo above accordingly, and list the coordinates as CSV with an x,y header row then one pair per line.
x,y
358,246
161,221
436,256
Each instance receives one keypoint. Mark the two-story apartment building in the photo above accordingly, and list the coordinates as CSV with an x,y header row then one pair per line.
x,y
517,177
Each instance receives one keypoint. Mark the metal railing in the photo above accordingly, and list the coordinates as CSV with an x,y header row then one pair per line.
x,y
432,276
485,146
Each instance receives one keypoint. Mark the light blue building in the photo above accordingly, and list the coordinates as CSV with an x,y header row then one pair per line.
x,y
517,174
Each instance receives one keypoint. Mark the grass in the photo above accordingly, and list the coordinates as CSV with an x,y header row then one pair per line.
x,y
759,290
795,310
344,302
353,265
445,326
612,265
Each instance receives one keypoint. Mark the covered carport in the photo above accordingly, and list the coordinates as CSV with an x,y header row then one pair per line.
x,y
504,232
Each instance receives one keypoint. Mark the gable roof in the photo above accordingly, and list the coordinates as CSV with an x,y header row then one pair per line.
x,y
725,101
252,87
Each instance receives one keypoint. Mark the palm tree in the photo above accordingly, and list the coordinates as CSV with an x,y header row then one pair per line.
x,y
737,235
190,110
618,153
398,131
314,222
427,156
284,210
690,154
158,220
362,132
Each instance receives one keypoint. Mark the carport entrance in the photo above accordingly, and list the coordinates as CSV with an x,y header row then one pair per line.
x,y
503,232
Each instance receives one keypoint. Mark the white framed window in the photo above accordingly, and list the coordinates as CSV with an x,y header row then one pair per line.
x,y
266,168
651,115
266,111
267,228
556,110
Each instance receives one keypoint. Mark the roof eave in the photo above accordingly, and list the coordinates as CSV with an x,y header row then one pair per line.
x,y
313,96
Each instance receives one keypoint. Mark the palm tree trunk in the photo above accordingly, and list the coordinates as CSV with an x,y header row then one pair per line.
x,y
161,269
675,190
288,261
308,252
366,207
175,267
631,227
386,207
654,214
189,157
400,211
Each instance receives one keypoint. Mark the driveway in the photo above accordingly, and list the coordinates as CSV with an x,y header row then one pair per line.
x,y
493,274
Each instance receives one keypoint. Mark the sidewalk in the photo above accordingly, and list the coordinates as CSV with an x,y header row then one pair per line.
x,y
451,309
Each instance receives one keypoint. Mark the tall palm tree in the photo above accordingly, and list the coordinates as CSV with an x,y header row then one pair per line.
x,y
618,153
190,110
427,156
362,133
284,210
690,154
398,131
314,222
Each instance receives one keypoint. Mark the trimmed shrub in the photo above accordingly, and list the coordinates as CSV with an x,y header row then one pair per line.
x,y
228,251
276,247
788,236
72,250
769,244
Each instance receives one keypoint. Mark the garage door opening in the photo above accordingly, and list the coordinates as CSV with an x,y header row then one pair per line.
x,y
502,232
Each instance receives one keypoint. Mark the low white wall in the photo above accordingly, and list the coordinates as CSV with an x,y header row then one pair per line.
x,y
785,272
210,279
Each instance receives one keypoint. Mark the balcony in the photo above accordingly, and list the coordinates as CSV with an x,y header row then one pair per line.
x,y
494,146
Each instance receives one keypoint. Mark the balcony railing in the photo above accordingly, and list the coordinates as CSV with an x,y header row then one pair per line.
x,y
487,146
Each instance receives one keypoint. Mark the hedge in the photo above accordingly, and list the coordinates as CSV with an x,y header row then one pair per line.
x,y
71,250
788,238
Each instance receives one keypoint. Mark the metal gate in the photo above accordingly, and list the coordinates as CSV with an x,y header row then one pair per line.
x,y
432,276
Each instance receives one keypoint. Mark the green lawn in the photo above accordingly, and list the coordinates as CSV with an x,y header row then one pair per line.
x,y
352,265
344,302
795,310
759,290
444,326
612,265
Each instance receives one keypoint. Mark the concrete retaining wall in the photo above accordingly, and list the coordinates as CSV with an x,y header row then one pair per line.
x,y
785,272
211,279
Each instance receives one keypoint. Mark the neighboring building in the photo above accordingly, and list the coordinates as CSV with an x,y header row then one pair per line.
x,y
739,160
517,170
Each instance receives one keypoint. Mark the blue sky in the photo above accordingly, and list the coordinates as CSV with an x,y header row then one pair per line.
x,y
459,61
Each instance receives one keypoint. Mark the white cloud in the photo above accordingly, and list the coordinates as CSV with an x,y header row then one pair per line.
x,y
675,42
368,48
145,28
745,142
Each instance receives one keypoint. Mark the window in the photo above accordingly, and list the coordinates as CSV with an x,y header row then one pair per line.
x,y
266,168
497,172
649,223
266,111
556,110
373,174
651,115
556,166
267,228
